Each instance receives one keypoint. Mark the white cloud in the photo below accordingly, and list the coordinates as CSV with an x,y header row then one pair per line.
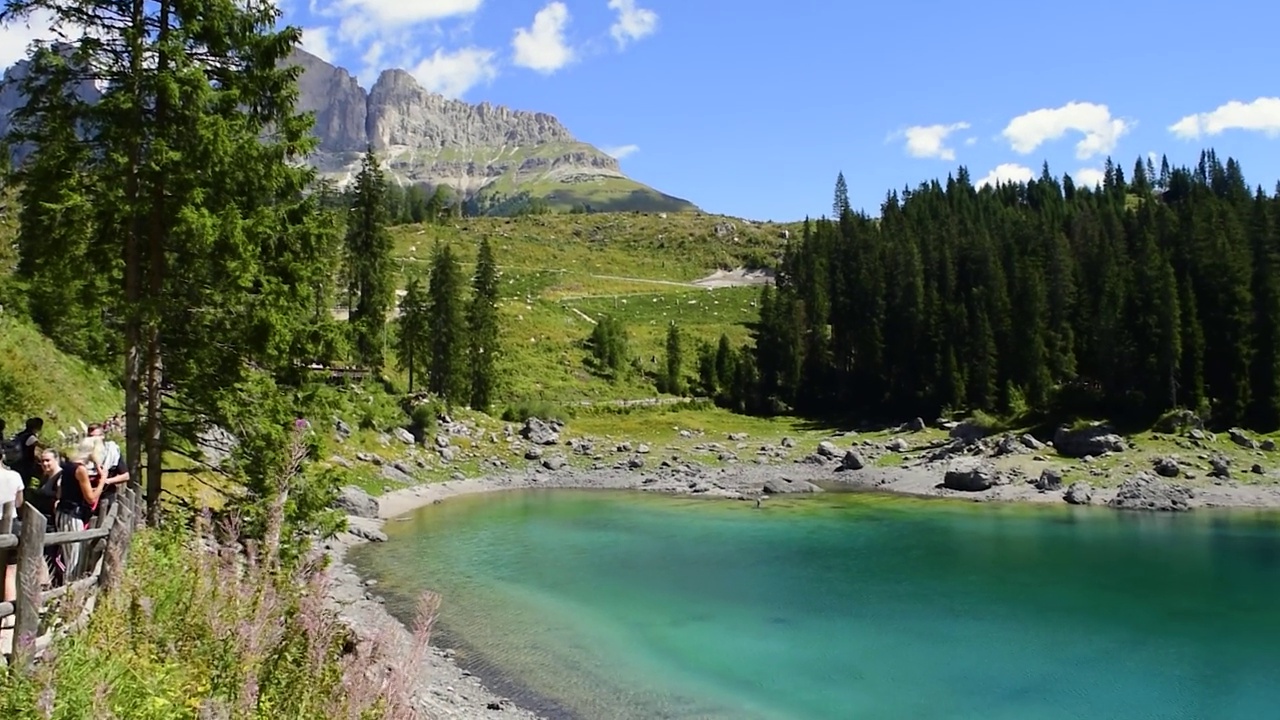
x,y
1005,173
542,46
396,13
452,74
1089,177
970,142
316,41
929,141
633,22
1101,131
17,35
618,152
1262,115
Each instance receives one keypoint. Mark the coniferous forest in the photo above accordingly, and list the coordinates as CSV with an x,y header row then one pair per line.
x,y
1140,295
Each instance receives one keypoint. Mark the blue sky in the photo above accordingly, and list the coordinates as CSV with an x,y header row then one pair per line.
x,y
750,108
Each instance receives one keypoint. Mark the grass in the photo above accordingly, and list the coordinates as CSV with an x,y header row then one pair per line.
x,y
557,268
191,633
37,379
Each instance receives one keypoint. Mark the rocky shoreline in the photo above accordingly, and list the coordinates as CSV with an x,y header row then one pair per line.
x,y
446,690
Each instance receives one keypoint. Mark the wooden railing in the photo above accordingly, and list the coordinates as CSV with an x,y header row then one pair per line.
x,y
105,544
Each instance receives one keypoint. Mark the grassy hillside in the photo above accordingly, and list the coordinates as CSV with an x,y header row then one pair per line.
x,y
561,272
35,377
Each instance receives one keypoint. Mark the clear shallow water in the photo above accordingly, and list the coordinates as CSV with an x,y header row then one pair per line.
x,y
622,605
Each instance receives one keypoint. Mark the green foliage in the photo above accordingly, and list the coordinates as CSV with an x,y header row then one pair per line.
x,y
609,345
448,376
192,634
368,257
541,409
673,378
38,379
412,344
483,330
1123,302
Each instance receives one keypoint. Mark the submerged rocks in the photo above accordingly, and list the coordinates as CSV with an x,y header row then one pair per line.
x,y
971,475
1147,492
1089,441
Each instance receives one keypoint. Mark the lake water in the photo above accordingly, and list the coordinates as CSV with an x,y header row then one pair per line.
x,y
600,605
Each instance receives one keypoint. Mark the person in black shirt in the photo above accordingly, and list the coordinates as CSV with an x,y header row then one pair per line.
x,y
77,498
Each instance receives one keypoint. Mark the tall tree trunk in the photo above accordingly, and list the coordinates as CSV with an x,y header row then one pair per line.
x,y
133,273
155,293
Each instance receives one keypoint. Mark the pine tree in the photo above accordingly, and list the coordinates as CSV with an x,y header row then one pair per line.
x,y
448,376
483,330
840,203
413,339
368,249
181,173
674,378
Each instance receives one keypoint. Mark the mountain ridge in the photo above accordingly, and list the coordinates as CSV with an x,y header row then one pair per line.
x,y
495,157
482,151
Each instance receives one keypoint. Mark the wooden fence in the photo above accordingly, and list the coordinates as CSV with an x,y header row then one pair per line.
x,y
105,544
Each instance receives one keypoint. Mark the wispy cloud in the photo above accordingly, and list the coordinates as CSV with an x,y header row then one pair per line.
x,y
618,152
1262,115
633,23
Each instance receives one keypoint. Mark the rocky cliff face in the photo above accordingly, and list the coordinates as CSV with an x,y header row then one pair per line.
x,y
426,138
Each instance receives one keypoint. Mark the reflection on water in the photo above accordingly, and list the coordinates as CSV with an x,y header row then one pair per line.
x,y
626,605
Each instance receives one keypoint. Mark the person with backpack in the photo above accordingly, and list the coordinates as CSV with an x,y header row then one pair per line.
x,y
20,453
113,473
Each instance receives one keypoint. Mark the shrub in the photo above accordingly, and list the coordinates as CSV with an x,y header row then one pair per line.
x,y
200,631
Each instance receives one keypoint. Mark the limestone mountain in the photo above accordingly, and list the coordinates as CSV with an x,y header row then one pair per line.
x,y
494,156
483,151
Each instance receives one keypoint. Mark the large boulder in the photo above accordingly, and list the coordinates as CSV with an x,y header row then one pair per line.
x,y
539,433
354,501
1147,492
1080,493
1091,440
971,475
969,431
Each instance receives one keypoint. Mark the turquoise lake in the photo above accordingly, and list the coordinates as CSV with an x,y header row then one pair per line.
x,y
594,605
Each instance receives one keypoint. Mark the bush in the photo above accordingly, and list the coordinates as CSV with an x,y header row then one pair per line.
x,y
526,409
191,632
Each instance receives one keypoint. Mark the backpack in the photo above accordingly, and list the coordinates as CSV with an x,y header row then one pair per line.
x,y
13,450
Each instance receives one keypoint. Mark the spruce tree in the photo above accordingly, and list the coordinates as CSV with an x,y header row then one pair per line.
x,y
412,345
368,253
482,321
182,174
674,378
447,375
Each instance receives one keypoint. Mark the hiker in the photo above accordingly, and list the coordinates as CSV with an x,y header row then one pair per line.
x,y
113,473
11,486
20,451
77,498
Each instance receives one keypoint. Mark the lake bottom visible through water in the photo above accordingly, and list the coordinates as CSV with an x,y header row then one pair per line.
x,y
600,604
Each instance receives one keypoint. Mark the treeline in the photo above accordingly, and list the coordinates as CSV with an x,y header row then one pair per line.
x,y
1129,299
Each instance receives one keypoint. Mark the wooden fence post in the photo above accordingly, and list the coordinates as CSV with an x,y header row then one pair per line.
x,y
118,542
30,563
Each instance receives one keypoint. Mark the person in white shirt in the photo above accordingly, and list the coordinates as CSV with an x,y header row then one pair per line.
x,y
11,488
